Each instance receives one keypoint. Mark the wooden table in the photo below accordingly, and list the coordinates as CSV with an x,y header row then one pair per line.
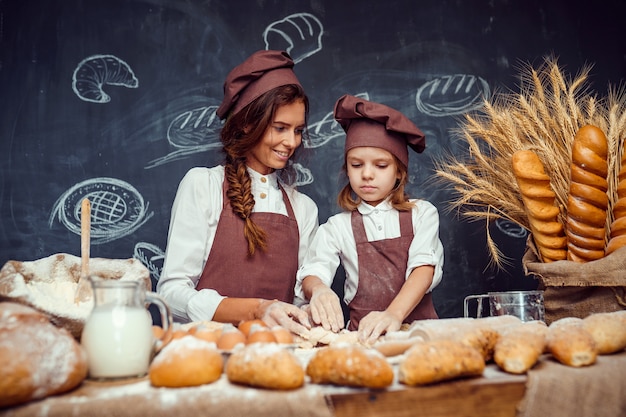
x,y
494,394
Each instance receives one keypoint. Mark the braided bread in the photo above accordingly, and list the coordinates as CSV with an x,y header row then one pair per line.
x,y
618,226
587,201
541,210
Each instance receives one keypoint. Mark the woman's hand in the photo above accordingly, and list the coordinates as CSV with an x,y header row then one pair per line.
x,y
292,318
326,308
375,324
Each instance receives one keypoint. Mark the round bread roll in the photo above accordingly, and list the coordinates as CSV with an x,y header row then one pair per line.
x,y
186,362
265,365
587,201
350,365
37,359
439,360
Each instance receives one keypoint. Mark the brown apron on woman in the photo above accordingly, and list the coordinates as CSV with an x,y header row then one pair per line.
x,y
382,269
269,274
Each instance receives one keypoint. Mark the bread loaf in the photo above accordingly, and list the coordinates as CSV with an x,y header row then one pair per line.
x,y
519,347
350,365
570,344
539,203
618,226
439,360
587,199
37,359
265,365
608,331
186,362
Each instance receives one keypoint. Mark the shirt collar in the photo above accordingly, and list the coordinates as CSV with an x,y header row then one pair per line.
x,y
366,209
272,179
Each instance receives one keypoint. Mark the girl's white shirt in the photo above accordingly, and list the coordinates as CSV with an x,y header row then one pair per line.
x,y
334,243
195,214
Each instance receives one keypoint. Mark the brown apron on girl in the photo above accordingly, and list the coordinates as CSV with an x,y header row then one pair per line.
x,y
382,269
269,274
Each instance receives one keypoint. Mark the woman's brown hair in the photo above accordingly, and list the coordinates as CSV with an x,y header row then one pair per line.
x,y
241,132
349,200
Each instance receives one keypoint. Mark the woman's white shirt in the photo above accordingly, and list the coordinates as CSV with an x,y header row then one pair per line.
x,y
334,243
195,214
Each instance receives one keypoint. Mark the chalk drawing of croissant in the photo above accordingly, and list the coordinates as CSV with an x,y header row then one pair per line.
x,y
299,34
94,72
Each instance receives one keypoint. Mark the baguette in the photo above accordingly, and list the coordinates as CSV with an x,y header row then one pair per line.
x,y
608,331
570,344
518,349
439,360
539,203
618,226
587,199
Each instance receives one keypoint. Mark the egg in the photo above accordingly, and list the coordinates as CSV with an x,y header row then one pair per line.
x,y
282,335
230,338
260,334
245,326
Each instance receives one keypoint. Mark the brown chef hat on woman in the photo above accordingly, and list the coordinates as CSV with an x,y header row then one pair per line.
x,y
258,74
372,124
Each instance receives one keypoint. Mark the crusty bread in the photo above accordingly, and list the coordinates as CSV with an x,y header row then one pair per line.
x,y
265,365
350,365
570,344
439,360
587,199
608,331
37,359
186,362
539,203
618,226
519,347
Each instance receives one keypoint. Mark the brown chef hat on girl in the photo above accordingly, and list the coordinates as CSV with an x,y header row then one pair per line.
x,y
258,74
372,124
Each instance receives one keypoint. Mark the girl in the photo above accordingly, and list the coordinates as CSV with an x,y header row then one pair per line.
x,y
388,244
238,232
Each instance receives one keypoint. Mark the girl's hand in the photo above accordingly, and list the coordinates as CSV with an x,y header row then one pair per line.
x,y
326,308
292,318
376,323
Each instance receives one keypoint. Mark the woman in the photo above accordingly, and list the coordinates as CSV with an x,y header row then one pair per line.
x,y
238,232
388,243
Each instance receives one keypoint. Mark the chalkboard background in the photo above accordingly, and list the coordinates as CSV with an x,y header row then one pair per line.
x,y
114,100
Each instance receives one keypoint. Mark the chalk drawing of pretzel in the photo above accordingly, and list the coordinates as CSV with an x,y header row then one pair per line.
x,y
94,72
301,31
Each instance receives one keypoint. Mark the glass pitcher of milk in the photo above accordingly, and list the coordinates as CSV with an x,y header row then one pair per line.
x,y
117,335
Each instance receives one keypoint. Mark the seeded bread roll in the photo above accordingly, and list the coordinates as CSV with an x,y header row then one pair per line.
x,y
439,360
570,344
618,226
539,202
350,365
587,200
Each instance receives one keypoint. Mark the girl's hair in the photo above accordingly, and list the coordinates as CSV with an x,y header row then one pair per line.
x,y
241,132
349,200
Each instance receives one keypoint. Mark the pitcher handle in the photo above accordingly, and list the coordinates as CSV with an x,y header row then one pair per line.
x,y
479,308
166,319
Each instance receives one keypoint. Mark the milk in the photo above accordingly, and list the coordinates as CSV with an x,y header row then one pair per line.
x,y
118,340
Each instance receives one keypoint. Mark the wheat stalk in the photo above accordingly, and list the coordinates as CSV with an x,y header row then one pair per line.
x,y
544,117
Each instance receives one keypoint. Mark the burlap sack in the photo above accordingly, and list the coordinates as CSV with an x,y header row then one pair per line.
x,y
573,289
